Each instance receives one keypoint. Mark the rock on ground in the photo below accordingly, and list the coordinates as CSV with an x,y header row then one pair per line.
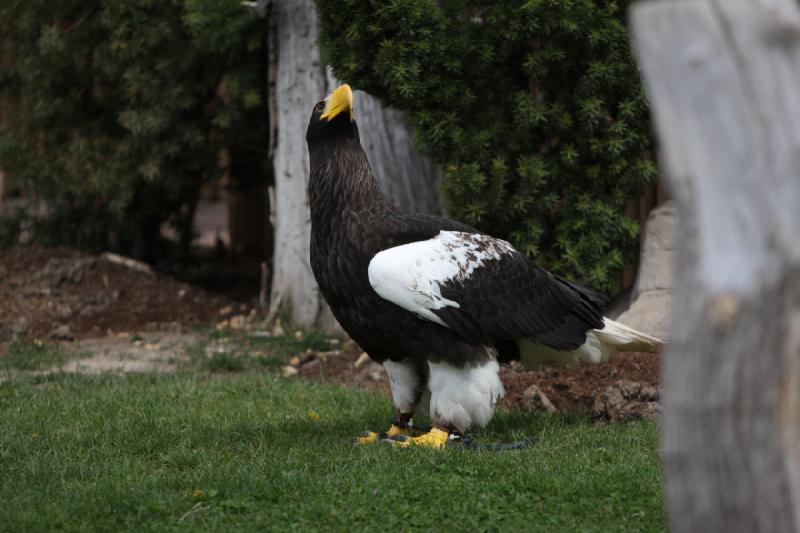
x,y
652,293
534,399
627,400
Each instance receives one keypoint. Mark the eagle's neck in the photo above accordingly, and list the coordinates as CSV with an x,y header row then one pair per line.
x,y
341,180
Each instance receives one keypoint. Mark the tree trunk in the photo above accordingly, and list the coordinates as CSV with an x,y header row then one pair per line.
x,y
724,79
301,81
407,177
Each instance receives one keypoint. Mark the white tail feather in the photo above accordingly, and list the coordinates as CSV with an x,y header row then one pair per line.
x,y
627,339
600,346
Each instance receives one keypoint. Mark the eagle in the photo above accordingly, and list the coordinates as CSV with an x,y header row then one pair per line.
x,y
438,303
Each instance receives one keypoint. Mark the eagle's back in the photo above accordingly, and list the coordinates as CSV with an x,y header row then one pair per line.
x,y
341,251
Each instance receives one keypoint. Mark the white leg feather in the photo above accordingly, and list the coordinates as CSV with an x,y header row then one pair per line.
x,y
463,397
405,383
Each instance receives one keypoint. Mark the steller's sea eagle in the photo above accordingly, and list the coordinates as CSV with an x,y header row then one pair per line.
x,y
437,302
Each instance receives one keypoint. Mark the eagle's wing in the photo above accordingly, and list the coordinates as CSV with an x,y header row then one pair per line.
x,y
484,290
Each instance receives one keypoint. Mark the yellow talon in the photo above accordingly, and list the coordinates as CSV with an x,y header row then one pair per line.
x,y
435,438
397,430
370,437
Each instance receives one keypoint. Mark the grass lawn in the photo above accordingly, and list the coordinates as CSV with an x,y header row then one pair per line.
x,y
252,451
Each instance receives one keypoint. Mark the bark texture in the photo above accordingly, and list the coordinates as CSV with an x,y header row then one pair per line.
x,y
410,179
301,80
723,79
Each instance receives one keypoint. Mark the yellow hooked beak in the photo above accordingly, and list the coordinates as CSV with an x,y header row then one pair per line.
x,y
339,101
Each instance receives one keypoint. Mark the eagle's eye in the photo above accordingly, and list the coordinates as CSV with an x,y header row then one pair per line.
x,y
320,107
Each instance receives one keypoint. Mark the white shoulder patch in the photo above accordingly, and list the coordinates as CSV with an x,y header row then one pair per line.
x,y
412,275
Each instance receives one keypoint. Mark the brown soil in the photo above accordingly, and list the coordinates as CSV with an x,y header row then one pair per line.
x,y
60,293
598,390
577,389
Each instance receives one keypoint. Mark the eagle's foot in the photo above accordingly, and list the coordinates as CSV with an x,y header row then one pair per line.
x,y
402,428
370,437
435,438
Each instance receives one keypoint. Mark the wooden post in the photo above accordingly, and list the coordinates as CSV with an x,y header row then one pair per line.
x,y
300,81
724,83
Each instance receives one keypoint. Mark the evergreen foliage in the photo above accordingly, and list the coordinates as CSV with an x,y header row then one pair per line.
x,y
533,107
114,110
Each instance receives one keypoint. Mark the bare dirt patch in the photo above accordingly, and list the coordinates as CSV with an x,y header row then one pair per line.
x,y
149,352
627,387
579,388
62,294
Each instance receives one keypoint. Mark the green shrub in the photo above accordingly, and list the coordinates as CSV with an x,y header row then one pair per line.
x,y
113,111
533,107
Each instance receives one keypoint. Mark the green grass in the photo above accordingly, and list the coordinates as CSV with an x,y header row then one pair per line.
x,y
246,351
247,451
28,355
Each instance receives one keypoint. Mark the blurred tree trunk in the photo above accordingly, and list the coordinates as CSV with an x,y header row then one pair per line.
x,y
723,79
300,82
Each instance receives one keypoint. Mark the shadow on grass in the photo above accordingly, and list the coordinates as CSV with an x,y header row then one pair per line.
x,y
507,426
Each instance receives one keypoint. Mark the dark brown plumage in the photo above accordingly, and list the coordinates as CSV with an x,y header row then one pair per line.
x,y
450,298
352,220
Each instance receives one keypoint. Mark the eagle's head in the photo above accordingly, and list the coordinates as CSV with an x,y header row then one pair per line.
x,y
333,118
